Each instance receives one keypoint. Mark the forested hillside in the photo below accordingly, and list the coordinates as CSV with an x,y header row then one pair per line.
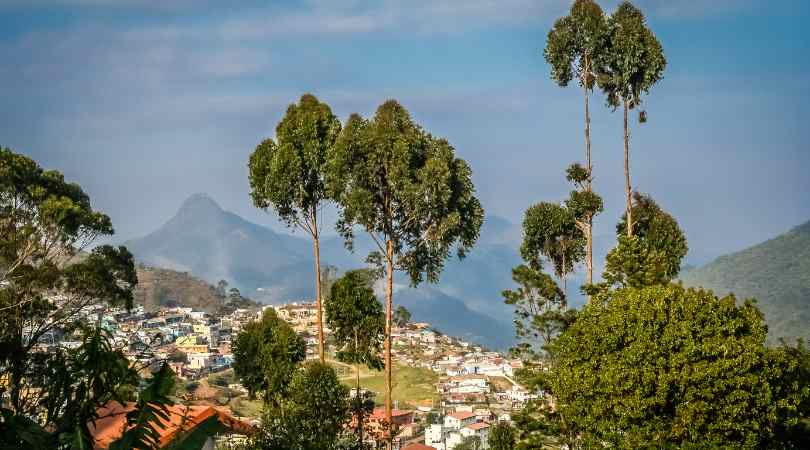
x,y
162,287
776,273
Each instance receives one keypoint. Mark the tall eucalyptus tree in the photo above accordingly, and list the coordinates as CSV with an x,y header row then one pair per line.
x,y
632,65
289,175
573,48
412,196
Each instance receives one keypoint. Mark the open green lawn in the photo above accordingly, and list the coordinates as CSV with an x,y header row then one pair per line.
x,y
412,385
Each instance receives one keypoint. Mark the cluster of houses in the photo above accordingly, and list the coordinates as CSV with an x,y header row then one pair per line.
x,y
476,386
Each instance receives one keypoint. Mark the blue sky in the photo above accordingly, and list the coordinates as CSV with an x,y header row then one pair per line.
x,y
146,102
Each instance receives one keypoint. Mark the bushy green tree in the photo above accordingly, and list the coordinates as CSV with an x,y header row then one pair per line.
x,y
410,193
266,354
310,417
550,233
290,174
402,316
667,367
653,254
356,319
48,282
541,310
469,443
574,46
357,322
501,436
631,65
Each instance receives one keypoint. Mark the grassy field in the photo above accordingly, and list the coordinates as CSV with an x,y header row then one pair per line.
x,y
413,386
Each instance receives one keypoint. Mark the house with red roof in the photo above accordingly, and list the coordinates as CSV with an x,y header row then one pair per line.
x,y
418,446
182,421
459,420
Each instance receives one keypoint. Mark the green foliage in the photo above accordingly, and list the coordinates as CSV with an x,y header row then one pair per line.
x,y
266,354
178,356
501,437
46,282
405,186
550,232
290,175
653,255
775,272
633,61
540,309
663,366
77,381
402,316
311,416
583,203
151,407
356,319
469,443
574,42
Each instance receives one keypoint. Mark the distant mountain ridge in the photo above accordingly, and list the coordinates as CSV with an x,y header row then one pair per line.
x,y
776,273
213,244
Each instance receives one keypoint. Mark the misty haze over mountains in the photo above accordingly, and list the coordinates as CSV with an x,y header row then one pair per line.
x,y
272,267
275,267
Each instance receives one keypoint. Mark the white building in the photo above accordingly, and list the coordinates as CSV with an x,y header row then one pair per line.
x,y
459,420
434,436
200,360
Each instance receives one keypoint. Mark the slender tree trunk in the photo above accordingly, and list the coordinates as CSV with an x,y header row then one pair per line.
x,y
357,398
588,139
627,187
389,294
317,251
588,187
589,255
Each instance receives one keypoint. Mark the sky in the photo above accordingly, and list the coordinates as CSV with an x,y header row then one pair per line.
x,y
145,102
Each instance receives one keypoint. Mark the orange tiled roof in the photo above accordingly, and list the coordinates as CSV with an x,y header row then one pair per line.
x,y
418,447
109,427
380,413
461,415
478,426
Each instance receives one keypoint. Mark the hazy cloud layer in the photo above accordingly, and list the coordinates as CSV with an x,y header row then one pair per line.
x,y
145,108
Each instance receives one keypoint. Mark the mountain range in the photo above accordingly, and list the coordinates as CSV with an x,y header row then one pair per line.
x,y
212,244
775,273
272,267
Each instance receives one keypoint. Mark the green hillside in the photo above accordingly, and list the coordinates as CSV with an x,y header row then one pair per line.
x,y
776,273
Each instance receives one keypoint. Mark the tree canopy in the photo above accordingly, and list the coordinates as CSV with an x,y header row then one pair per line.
x,y
550,233
356,319
574,42
50,284
653,255
403,185
668,367
410,193
291,175
541,310
501,436
266,354
634,58
402,316
310,416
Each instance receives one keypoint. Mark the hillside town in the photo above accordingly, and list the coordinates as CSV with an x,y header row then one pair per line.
x,y
475,387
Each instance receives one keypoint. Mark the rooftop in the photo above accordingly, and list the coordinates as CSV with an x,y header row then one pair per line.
x,y
461,415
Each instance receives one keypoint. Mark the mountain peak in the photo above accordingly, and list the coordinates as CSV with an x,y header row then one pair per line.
x,y
199,203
